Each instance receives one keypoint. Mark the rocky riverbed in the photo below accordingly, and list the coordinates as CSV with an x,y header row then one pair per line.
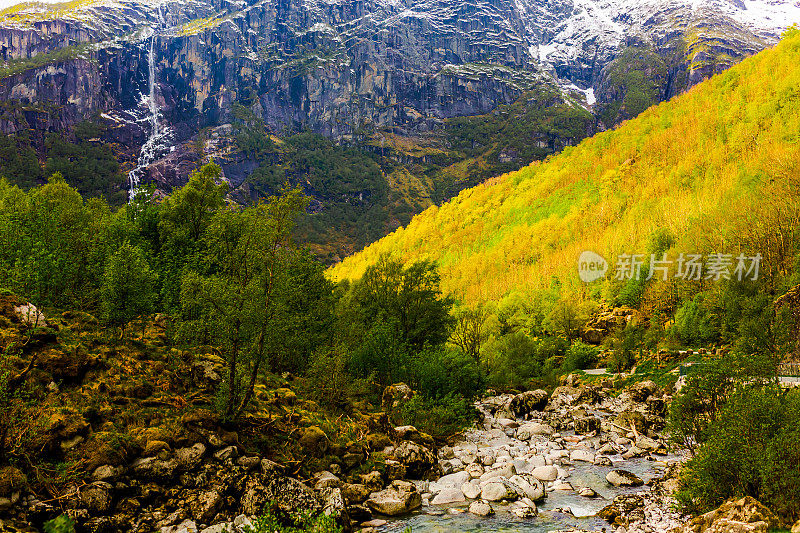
x,y
579,458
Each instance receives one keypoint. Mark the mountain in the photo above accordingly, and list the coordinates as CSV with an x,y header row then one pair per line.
x,y
712,171
440,94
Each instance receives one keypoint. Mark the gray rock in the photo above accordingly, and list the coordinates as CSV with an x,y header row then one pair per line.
x,y
545,473
526,431
531,487
188,458
226,453
505,470
623,478
527,402
481,508
471,490
581,455
97,497
448,495
475,470
325,480
205,505
417,459
495,491
398,499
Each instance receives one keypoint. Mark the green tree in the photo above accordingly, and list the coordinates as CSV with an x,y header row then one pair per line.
x,y
184,218
409,298
128,288
469,331
234,304
53,244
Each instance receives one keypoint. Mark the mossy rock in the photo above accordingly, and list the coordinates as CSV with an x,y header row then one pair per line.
x,y
285,396
65,425
106,448
11,480
8,302
80,319
200,417
153,447
68,366
626,418
314,440
378,441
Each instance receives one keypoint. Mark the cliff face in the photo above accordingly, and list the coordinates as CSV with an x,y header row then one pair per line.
x,y
352,69
340,67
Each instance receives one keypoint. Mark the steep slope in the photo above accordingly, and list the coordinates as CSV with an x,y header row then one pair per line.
x,y
717,169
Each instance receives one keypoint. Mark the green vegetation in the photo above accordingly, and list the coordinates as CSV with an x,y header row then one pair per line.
x,y
231,277
61,55
18,161
60,524
350,206
86,164
273,522
744,431
634,82
540,123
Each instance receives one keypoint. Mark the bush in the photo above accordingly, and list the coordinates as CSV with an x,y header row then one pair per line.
x,y
512,360
751,450
439,417
743,431
695,324
60,524
579,356
694,411
624,344
441,372
274,521
518,361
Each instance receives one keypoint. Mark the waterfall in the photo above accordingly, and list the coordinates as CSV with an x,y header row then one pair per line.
x,y
157,143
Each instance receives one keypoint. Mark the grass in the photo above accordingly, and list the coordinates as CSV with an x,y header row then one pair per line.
x,y
18,66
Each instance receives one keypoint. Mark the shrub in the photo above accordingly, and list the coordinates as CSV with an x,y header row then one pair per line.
x,y
743,431
579,356
439,417
273,521
60,524
694,323
623,345
512,360
694,411
441,372
751,450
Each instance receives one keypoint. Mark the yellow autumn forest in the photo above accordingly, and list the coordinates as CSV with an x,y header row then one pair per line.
x,y
717,169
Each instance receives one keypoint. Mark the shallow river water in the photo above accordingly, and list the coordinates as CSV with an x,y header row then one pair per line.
x,y
440,519
560,510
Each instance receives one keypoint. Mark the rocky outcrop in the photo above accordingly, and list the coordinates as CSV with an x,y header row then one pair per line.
x,y
527,402
735,516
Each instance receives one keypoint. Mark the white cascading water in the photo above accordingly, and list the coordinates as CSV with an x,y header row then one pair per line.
x,y
157,143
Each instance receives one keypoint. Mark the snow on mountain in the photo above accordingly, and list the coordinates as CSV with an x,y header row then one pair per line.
x,y
575,37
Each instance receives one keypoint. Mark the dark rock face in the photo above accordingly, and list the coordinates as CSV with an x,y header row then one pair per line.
x,y
347,68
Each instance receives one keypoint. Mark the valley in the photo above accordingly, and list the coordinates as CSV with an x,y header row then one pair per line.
x,y
288,266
